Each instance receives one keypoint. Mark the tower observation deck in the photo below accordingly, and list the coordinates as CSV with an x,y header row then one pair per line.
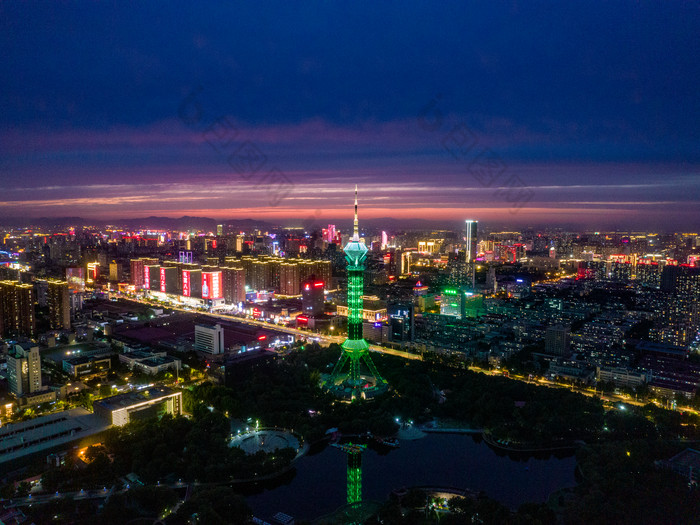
x,y
350,379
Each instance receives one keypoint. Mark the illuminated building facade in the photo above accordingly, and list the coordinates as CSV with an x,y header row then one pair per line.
x,y
24,369
312,298
234,284
17,309
471,251
58,301
347,379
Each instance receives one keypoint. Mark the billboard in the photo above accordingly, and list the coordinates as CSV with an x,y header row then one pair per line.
x,y
186,280
93,272
76,279
147,277
211,285
162,280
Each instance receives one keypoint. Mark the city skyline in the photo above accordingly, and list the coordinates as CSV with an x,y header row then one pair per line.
x,y
589,114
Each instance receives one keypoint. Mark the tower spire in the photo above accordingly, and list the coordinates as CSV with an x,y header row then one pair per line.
x,y
356,231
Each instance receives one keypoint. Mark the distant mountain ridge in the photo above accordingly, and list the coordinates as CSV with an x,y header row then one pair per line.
x,y
186,222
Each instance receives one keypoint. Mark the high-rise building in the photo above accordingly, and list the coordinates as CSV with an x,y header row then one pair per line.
x,y
312,298
471,252
557,340
24,369
169,280
219,229
289,279
116,271
401,322
137,270
453,303
17,309
234,284
261,275
58,301
681,313
350,382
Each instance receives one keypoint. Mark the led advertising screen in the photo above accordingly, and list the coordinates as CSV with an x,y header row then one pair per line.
x,y
211,285
76,279
146,277
186,283
162,280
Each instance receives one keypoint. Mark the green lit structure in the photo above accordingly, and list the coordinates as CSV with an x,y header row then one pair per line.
x,y
354,453
347,379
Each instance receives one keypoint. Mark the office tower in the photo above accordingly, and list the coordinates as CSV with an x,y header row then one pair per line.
x,y
24,369
557,340
471,240
453,303
116,271
17,309
401,322
58,301
209,338
352,383
219,229
470,246
312,298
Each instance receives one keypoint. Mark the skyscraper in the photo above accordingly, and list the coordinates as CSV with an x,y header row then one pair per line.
x,y
471,250
352,383
471,240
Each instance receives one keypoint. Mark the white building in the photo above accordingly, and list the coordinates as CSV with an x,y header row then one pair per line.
x,y
209,339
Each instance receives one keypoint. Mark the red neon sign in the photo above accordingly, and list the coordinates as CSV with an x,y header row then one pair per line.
x,y
186,283
318,284
146,277
262,338
162,280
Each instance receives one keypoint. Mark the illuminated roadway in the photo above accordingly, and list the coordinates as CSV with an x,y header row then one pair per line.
x,y
326,339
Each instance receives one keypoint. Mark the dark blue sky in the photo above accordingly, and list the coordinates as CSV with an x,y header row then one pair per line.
x,y
523,112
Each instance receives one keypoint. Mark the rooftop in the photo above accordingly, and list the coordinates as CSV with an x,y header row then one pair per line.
x,y
45,432
133,398
688,458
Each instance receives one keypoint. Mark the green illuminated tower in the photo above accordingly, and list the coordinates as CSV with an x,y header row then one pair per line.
x,y
355,473
347,379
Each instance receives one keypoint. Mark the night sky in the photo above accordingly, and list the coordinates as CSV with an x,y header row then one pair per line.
x,y
523,113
